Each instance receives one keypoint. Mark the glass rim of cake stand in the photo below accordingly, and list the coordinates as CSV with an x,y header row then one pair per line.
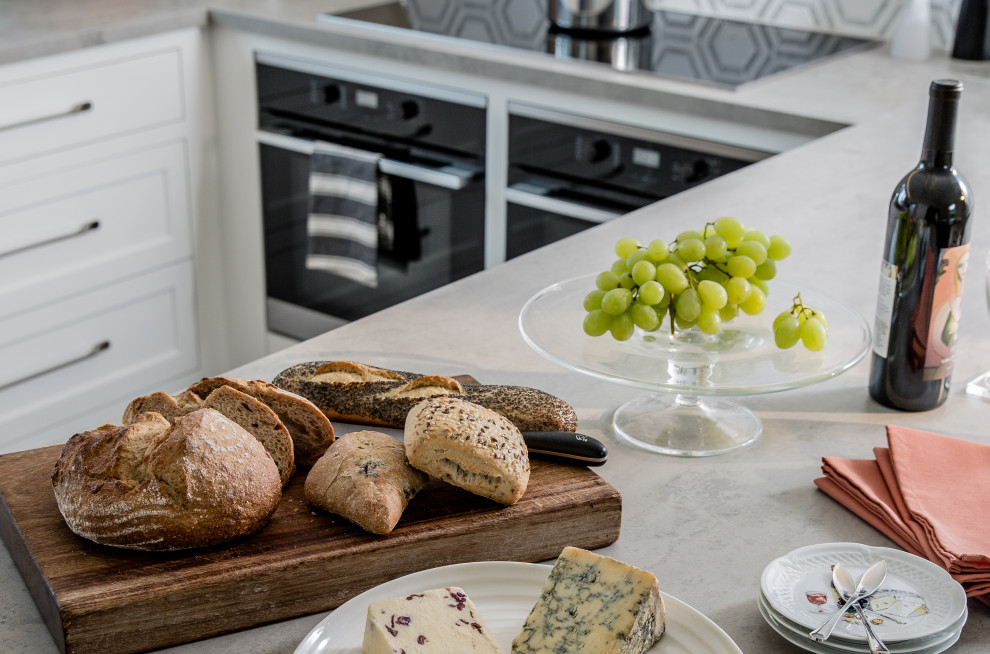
x,y
742,358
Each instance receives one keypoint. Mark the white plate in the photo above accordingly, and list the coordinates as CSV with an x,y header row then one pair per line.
x,y
915,646
504,593
829,647
918,593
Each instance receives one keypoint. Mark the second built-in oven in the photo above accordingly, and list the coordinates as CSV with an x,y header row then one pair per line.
x,y
569,172
430,144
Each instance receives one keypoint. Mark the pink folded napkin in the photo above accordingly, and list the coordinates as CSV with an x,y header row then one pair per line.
x,y
928,493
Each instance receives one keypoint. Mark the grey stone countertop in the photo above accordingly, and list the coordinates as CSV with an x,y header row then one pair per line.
x,y
706,526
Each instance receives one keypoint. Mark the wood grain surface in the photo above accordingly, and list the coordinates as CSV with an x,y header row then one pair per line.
x,y
114,601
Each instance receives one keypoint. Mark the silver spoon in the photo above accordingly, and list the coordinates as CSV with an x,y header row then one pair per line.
x,y
844,585
868,585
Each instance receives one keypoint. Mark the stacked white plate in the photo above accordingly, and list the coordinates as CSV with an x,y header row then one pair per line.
x,y
919,609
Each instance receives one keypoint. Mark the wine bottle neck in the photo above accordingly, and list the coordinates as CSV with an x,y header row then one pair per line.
x,y
940,132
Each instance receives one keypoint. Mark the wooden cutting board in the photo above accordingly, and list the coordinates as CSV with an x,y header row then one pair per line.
x,y
112,601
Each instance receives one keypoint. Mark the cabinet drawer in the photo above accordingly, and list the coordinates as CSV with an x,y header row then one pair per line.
x,y
72,107
62,359
67,232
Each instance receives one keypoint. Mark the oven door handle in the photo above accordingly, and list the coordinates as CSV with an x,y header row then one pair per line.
x,y
534,197
450,177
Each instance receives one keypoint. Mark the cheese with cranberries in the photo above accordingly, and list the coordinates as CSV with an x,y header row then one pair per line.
x,y
592,604
442,620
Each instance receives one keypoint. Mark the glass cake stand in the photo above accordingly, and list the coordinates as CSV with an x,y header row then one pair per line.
x,y
691,372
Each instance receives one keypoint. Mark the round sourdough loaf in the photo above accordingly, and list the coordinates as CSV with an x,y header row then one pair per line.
x,y
152,485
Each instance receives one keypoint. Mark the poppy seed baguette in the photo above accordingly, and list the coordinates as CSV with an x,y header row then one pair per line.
x,y
387,399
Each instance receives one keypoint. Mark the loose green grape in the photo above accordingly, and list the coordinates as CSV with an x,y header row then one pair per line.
x,y
688,305
622,327
597,323
740,266
691,249
766,270
619,266
755,302
780,248
712,294
672,278
803,323
616,301
716,248
731,229
758,236
607,280
786,330
813,334
754,250
657,250
737,289
709,321
593,300
625,246
644,317
643,271
651,292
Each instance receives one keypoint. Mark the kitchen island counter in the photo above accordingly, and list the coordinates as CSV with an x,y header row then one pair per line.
x,y
707,527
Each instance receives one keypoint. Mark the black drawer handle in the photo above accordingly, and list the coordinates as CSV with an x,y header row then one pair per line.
x,y
84,228
78,108
96,349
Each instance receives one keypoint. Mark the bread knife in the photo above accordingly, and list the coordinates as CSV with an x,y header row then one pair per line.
x,y
566,447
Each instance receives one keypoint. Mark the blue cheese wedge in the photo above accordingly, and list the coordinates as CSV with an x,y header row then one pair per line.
x,y
442,620
592,604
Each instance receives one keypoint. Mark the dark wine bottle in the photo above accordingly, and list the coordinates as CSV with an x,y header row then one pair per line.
x,y
923,269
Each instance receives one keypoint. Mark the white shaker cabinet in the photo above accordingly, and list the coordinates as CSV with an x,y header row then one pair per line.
x,y
104,170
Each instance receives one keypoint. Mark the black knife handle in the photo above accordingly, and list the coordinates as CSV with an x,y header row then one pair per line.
x,y
566,447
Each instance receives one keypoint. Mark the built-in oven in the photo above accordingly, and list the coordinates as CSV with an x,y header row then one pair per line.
x,y
570,172
429,142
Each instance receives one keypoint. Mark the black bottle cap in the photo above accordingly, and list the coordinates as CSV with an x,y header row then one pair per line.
x,y
946,89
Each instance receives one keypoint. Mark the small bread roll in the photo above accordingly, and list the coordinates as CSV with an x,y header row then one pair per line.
x,y
468,446
364,477
152,485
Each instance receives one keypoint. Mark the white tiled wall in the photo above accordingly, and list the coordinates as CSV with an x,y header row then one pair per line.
x,y
866,18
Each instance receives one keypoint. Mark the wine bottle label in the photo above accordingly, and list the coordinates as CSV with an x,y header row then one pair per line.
x,y
940,325
946,303
885,308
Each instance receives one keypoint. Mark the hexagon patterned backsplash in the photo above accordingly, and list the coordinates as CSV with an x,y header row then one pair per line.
x,y
522,23
874,19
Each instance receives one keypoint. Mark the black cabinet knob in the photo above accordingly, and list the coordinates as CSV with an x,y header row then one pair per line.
x,y
331,94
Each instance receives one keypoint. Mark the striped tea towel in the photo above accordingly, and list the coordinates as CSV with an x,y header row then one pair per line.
x,y
343,213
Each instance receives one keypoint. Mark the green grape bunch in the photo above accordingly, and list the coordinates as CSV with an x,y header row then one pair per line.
x,y
800,323
700,279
